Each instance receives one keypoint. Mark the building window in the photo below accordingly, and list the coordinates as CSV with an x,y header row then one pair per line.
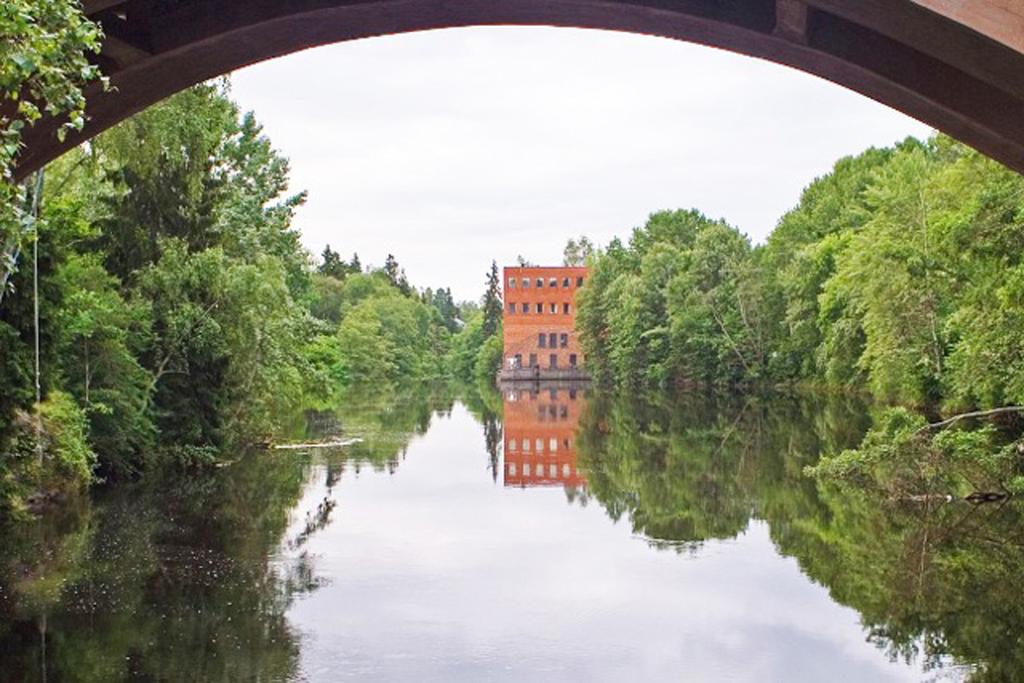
x,y
572,392
565,470
511,307
519,360
553,360
540,308
572,362
526,445
542,340
542,414
539,445
533,360
563,412
526,469
513,445
553,282
565,309
563,341
579,282
540,282
565,283
553,341
511,469
526,283
553,411
553,308
553,470
511,283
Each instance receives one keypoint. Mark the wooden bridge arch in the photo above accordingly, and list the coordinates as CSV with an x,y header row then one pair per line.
x,y
957,65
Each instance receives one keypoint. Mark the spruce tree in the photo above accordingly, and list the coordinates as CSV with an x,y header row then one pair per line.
x,y
332,264
492,303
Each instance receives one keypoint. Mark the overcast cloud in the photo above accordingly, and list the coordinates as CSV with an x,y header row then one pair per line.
x,y
452,148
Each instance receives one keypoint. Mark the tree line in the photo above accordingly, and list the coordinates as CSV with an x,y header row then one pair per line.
x,y
898,273
178,312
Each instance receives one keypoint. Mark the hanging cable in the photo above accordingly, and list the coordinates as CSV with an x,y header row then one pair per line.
x,y
34,217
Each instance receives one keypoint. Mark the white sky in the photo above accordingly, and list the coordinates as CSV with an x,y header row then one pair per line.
x,y
452,148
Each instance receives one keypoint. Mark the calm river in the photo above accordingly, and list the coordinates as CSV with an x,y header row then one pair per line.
x,y
538,534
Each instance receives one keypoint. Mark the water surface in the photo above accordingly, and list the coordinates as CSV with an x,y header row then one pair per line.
x,y
541,534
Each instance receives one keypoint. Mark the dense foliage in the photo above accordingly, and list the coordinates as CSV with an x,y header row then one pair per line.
x,y
179,312
45,46
169,286
680,303
899,273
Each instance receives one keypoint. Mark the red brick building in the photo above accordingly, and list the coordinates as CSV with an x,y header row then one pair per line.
x,y
539,323
540,436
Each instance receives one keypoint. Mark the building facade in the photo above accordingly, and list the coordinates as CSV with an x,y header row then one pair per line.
x,y
539,323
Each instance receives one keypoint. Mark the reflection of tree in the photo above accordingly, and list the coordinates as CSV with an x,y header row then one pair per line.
x,y
484,402
385,421
492,441
683,470
178,579
163,582
931,580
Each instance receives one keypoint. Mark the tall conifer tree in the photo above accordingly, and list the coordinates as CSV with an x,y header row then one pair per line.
x,y
492,303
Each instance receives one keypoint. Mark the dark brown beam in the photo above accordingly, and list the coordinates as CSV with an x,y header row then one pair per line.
x,y
935,35
122,43
123,53
971,90
92,7
972,104
791,20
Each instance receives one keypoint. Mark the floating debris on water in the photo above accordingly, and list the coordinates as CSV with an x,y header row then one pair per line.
x,y
336,443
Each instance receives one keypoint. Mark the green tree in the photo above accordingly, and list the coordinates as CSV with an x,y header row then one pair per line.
x,y
101,335
396,275
577,252
44,67
171,178
683,302
332,265
491,304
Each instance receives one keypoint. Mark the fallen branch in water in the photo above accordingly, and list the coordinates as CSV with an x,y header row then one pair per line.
x,y
337,443
976,413
976,498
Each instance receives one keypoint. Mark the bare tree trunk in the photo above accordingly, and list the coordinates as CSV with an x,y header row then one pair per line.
x,y
725,333
88,374
977,413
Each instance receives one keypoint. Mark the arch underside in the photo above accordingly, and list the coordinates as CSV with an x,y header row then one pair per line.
x,y
899,52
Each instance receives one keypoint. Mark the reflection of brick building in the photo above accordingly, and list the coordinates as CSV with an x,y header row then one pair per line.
x,y
539,323
540,436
